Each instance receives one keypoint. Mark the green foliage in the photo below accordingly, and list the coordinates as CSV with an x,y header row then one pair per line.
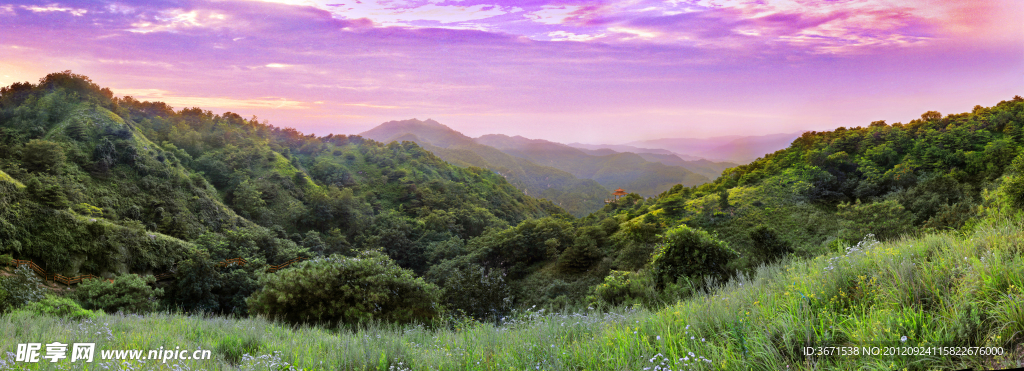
x,y
48,191
43,156
21,288
88,210
128,293
886,219
232,348
1013,187
474,290
194,284
584,251
59,306
769,245
628,288
517,249
692,253
236,285
348,290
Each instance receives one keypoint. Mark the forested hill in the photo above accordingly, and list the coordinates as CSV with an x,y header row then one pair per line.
x,y
97,184
830,189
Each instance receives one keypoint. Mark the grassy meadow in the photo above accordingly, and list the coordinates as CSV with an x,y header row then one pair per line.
x,y
938,289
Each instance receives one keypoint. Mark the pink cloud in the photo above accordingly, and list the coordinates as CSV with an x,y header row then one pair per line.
x,y
656,68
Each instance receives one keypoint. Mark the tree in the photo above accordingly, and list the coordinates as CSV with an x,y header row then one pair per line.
x,y
42,155
723,198
340,289
692,253
193,289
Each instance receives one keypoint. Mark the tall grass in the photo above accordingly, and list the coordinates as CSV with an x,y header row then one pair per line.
x,y
944,289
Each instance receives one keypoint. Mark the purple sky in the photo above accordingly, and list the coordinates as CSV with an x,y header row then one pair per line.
x,y
598,72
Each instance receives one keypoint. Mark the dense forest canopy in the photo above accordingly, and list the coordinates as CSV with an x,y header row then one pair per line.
x,y
104,185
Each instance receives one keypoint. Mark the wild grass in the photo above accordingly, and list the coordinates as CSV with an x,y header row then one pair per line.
x,y
950,289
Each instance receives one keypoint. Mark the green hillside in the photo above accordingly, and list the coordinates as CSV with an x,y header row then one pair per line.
x,y
117,186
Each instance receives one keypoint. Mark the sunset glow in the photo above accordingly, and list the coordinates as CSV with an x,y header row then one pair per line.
x,y
570,71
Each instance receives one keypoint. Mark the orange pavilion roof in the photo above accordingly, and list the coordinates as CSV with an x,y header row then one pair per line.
x,y
619,192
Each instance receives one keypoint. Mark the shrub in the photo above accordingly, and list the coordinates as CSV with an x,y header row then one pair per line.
x,y
59,306
690,252
88,210
22,288
128,293
768,245
342,289
621,287
5,260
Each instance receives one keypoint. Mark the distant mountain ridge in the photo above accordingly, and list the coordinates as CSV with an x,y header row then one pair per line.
x,y
578,196
615,170
732,148
573,178
695,164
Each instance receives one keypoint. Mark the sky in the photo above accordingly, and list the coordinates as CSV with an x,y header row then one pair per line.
x,y
571,71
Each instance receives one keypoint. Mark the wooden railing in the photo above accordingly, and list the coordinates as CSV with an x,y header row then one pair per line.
x,y
159,277
227,262
275,268
51,277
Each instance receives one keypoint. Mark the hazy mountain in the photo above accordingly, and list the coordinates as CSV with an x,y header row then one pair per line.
x,y
578,196
703,167
695,164
625,170
576,179
604,149
734,148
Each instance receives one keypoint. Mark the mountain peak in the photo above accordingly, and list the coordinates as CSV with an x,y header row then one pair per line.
x,y
428,130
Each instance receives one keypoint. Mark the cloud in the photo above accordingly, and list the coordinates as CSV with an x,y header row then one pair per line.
x,y
569,36
174,20
209,102
403,13
54,8
579,15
